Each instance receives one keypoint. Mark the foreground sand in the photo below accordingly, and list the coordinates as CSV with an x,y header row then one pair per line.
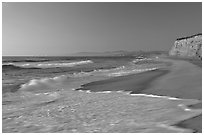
x,y
95,112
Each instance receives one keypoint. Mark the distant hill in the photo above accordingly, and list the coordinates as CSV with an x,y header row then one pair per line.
x,y
120,53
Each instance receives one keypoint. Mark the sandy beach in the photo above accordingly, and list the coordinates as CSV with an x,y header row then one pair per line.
x,y
102,106
182,80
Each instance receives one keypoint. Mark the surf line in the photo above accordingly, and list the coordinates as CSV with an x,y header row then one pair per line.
x,y
182,106
46,80
128,93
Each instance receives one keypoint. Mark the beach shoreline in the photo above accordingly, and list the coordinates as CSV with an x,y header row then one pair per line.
x,y
159,82
135,83
127,94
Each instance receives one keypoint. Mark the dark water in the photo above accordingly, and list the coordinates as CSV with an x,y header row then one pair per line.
x,y
18,70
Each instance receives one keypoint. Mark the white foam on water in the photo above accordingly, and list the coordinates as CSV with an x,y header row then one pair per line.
x,y
104,92
35,82
80,90
42,82
53,64
56,78
137,60
156,96
119,91
30,83
180,105
173,98
184,107
27,64
69,64
7,64
130,71
81,74
187,109
174,128
88,91
59,78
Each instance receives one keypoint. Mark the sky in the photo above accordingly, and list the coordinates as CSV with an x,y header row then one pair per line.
x,y
51,29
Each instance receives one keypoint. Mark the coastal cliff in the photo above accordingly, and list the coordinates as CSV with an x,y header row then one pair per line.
x,y
190,46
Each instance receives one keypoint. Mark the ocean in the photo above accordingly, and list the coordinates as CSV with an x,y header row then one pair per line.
x,y
42,94
19,70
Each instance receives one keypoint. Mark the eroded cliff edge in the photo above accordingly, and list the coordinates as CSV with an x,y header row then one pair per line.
x,y
190,47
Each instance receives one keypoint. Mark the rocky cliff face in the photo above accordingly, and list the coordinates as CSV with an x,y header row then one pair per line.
x,y
188,47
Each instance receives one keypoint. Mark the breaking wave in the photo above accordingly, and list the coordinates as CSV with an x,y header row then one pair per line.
x,y
27,60
14,67
34,65
141,59
59,80
70,64
43,82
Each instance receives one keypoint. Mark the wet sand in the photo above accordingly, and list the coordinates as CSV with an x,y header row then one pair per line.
x,y
182,79
135,83
194,123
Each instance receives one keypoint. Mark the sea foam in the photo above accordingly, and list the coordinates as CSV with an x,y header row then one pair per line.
x,y
50,64
69,64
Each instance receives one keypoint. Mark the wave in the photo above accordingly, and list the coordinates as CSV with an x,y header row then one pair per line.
x,y
28,60
122,73
141,59
69,64
38,65
44,83
14,67
59,80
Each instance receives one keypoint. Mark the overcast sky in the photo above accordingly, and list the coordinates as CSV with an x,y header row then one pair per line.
x,y
65,28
